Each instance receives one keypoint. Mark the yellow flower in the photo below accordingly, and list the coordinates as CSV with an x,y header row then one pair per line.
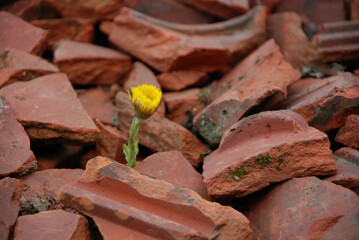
x,y
145,98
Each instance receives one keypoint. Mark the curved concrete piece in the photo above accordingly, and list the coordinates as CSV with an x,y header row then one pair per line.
x,y
168,46
266,148
127,205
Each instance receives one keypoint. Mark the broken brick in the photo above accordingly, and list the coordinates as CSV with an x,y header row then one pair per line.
x,y
266,148
86,63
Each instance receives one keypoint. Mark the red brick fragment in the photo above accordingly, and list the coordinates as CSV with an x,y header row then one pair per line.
x,y
169,10
221,8
86,63
76,29
348,134
128,205
11,190
179,80
169,47
16,156
286,29
98,105
56,224
174,168
49,109
184,105
16,65
266,148
347,160
325,103
94,9
16,33
305,208
262,74
40,189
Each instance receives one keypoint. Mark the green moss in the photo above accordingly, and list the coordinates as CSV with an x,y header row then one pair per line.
x,y
224,112
29,170
204,96
30,76
208,129
263,160
3,57
237,174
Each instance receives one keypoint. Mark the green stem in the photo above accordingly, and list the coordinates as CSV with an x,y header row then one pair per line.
x,y
131,150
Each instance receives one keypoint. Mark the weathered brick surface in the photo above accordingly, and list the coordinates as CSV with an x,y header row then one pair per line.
x,y
16,65
18,30
86,63
16,156
264,73
169,47
126,204
49,109
266,148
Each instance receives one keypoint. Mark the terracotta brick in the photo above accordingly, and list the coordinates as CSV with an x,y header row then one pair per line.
x,y
174,168
140,74
111,140
56,224
317,11
286,29
325,103
16,156
263,74
16,65
11,190
49,109
86,63
347,160
98,105
180,80
75,29
160,134
266,148
348,134
169,47
221,8
169,10
306,208
94,9
30,9
17,30
184,105
354,9
127,205
41,189
337,41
